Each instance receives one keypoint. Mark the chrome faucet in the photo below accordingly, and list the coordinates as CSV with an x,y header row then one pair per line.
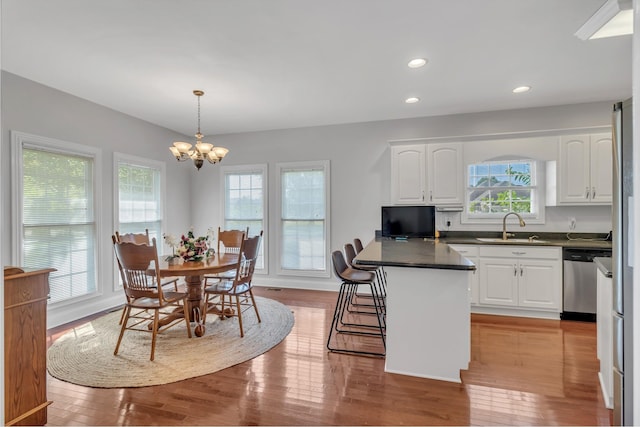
x,y
505,235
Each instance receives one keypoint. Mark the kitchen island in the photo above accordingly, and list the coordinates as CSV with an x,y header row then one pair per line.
x,y
428,312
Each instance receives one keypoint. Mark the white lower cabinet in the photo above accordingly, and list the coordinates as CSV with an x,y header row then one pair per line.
x,y
470,252
516,280
498,282
605,337
521,276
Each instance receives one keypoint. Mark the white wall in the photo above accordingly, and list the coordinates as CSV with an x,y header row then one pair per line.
x,y
36,109
359,156
360,166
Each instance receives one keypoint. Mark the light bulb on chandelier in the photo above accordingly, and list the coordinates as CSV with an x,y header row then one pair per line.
x,y
202,150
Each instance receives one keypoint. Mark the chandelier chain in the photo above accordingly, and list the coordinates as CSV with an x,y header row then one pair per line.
x,y
199,96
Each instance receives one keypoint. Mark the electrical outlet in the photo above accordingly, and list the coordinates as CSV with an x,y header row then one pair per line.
x,y
572,223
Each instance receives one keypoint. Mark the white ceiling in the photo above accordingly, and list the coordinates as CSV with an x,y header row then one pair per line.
x,y
271,64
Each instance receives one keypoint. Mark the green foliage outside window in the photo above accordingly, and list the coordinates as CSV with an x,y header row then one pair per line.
x,y
501,187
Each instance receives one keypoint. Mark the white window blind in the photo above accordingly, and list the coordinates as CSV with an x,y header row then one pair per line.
x,y
304,196
245,202
58,221
139,198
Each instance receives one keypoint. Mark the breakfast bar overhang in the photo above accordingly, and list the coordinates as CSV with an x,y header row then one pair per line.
x,y
428,306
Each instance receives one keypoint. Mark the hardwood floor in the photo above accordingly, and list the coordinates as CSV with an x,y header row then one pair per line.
x,y
523,372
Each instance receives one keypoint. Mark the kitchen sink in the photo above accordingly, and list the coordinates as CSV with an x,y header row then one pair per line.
x,y
499,240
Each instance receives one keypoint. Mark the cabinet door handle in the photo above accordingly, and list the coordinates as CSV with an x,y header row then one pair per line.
x,y
430,195
586,192
593,192
423,195
518,252
515,270
520,271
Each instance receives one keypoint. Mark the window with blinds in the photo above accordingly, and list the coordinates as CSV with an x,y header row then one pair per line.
x,y
57,216
245,202
140,202
304,223
495,188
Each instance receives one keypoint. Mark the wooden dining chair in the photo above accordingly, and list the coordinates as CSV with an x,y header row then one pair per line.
x,y
237,292
143,239
134,237
229,242
146,301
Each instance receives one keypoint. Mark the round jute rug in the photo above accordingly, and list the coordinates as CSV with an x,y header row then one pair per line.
x,y
84,355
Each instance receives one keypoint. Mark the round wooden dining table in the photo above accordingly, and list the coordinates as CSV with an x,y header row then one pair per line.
x,y
193,272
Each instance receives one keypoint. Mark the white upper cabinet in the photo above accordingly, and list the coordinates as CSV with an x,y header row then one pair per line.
x,y
584,170
429,174
408,174
601,168
445,174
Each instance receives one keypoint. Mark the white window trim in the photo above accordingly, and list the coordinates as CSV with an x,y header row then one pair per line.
x,y
538,218
262,168
20,140
144,162
325,165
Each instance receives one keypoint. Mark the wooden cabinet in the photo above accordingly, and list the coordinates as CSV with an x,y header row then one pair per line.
x,y
584,170
471,253
431,174
520,277
25,346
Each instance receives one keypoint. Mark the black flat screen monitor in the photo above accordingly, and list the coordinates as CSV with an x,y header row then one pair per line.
x,y
408,221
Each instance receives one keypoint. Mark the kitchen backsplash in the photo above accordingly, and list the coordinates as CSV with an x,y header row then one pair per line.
x,y
588,219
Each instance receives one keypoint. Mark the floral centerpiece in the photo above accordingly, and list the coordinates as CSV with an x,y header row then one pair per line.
x,y
189,247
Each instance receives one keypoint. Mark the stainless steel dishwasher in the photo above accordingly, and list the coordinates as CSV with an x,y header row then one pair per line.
x,y
579,283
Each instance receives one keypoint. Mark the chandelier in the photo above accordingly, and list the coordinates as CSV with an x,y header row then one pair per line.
x,y
202,150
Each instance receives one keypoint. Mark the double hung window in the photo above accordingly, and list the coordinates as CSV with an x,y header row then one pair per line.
x,y
139,195
304,218
55,204
245,202
495,188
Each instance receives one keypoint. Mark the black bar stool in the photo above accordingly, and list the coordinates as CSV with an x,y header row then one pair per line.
x,y
347,323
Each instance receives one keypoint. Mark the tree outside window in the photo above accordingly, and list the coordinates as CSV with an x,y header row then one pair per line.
x,y
501,187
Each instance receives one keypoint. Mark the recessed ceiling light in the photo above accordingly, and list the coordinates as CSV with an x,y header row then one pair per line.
x,y
417,63
521,89
412,100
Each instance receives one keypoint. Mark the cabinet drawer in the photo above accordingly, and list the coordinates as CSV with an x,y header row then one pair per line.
x,y
465,250
25,289
502,251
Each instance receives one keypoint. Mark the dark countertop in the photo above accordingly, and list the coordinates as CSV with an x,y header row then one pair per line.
x,y
604,265
566,240
417,253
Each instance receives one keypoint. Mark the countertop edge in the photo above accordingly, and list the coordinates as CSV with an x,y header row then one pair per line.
x,y
604,265
417,265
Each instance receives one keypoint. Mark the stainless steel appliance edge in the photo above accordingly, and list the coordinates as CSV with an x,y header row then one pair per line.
x,y
623,392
